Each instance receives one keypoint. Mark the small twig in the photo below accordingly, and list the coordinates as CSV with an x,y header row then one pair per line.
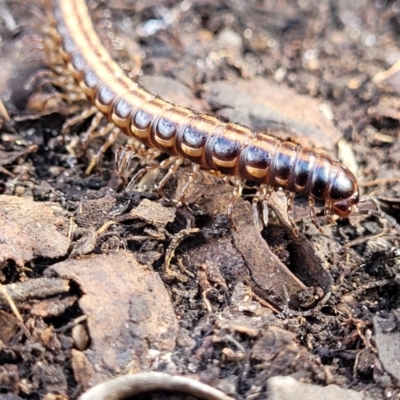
x,y
39,288
231,339
71,324
364,239
206,301
177,239
377,213
14,309
372,285
105,227
72,228
132,385
379,181
307,313
262,301
314,310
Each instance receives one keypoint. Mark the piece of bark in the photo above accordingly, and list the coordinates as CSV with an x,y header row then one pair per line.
x,y
35,289
129,311
29,229
52,307
151,212
8,326
268,274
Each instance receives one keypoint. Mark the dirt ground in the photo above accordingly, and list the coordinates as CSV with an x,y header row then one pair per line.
x,y
110,282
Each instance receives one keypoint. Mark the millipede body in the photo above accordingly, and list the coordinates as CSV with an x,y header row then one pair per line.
x,y
211,144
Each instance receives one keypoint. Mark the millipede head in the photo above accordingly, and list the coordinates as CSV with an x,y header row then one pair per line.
x,y
343,192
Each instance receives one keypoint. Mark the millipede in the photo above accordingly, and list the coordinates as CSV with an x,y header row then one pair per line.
x,y
224,148
37,92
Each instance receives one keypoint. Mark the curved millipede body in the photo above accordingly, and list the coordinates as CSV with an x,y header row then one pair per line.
x,y
32,84
231,149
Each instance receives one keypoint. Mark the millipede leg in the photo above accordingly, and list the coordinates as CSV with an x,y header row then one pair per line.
x,y
125,154
267,195
73,95
256,199
89,134
164,164
139,174
311,205
172,169
148,154
112,137
61,80
123,158
289,202
49,28
77,118
329,212
192,177
263,194
237,192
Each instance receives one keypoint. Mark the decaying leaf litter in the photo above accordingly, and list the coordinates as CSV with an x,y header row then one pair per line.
x,y
234,308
